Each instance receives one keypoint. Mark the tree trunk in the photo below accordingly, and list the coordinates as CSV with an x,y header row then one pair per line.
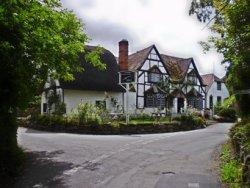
x,y
11,156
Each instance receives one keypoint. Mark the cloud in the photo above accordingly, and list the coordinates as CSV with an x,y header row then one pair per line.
x,y
145,22
76,4
108,32
144,2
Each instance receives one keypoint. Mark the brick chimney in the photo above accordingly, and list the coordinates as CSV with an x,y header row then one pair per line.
x,y
123,55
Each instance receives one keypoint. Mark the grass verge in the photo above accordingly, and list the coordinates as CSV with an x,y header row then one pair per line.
x,y
230,167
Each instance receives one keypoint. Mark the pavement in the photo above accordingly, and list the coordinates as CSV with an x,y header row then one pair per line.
x,y
169,160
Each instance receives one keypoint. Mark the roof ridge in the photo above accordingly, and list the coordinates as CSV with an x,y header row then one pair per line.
x,y
181,58
151,46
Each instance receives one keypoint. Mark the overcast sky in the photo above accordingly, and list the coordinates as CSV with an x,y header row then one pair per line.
x,y
165,23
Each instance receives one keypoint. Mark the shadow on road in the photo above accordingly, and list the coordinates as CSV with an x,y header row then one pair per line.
x,y
41,171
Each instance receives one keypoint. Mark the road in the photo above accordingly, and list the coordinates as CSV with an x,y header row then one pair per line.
x,y
174,160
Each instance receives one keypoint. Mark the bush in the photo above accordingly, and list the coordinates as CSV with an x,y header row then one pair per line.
x,y
240,139
60,108
89,114
190,121
240,136
50,120
227,114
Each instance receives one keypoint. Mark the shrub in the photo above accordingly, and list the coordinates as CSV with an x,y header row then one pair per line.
x,y
227,114
60,108
50,120
240,136
190,121
89,114
240,139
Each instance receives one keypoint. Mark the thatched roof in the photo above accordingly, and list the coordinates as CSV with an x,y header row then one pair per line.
x,y
94,79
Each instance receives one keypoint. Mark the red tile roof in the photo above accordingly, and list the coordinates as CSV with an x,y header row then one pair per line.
x,y
208,79
136,60
177,67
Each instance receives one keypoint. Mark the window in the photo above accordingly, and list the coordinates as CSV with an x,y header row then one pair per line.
x,y
155,100
211,102
45,107
192,78
154,75
101,104
218,85
219,100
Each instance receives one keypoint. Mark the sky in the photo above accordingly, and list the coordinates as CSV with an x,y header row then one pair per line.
x,y
165,23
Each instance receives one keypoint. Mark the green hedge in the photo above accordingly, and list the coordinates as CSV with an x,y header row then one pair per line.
x,y
63,124
240,142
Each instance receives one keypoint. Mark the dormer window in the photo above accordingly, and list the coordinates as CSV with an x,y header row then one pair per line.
x,y
191,78
154,75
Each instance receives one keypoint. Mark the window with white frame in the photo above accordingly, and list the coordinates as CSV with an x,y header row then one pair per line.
x,y
154,75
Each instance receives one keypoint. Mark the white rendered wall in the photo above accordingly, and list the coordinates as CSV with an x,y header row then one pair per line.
x,y
73,97
223,93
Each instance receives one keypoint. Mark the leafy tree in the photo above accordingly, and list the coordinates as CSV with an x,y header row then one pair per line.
x,y
38,39
229,21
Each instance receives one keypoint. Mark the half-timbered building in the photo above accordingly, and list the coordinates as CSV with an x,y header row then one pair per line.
x,y
160,82
186,86
150,71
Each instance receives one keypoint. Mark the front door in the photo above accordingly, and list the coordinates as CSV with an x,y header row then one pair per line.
x,y
211,102
180,104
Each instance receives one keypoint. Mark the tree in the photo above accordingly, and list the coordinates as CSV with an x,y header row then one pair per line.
x,y
229,21
38,39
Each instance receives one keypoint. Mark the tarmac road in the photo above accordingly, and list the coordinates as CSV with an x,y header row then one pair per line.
x,y
169,160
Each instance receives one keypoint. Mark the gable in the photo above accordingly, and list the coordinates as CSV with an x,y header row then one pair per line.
x,y
153,60
192,69
136,60
177,67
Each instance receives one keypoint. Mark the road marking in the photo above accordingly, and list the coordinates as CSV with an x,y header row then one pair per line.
x,y
193,185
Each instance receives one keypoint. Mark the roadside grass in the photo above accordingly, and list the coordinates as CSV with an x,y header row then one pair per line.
x,y
230,167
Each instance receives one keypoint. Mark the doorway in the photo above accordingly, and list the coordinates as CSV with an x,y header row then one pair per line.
x,y
180,104
211,102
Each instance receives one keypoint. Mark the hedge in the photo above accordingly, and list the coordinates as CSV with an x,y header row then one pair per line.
x,y
63,124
